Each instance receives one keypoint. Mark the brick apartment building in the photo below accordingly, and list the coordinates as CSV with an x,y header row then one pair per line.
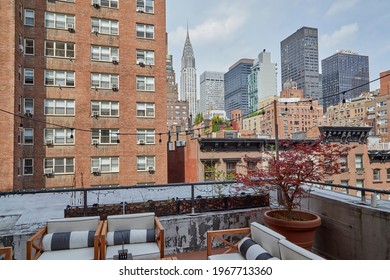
x,y
82,96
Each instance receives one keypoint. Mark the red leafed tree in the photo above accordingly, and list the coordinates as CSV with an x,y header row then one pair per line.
x,y
297,163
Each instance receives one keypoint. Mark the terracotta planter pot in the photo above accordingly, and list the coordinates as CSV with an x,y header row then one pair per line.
x,y
300,231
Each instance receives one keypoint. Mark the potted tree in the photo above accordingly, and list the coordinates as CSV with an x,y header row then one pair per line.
x,y
297,163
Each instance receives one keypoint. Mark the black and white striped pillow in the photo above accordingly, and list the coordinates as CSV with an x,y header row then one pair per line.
x,y
67,240
250,250
130,236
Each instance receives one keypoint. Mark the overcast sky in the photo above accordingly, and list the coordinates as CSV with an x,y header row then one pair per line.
x,y
224,31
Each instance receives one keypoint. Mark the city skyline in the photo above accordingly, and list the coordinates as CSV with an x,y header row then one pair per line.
x,y
228,30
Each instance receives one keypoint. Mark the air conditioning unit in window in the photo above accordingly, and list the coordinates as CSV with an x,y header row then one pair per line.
x,y
141,63
95,30
140,10
49,142
71,27
48,171
114,60
95,142
21,48
96,4
141,142
151,169
96,170
95,114
28,113
114,87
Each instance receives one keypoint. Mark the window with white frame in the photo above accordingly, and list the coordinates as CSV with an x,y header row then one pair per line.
x,y
105,26
28,76
105,108
145,110
145,83
376,174
29,17
19,167
105,136
359,162
59,136
145,31
19,104
28,166
104,81
59,49
146,163
28,136
28,106
344,164
104,53
105,164
145,6
107,3
146,136
62,107
359,184
20,11
146,57
59,78
29,46
19,73
60,165
58,21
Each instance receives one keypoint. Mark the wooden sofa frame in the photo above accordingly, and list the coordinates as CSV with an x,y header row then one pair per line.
x,y
7,252
35,247
219,235
160,238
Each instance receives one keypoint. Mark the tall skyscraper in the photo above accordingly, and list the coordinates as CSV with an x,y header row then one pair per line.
x,y
188,77
236,87
299,61
341,72
262,81
212,96
67,117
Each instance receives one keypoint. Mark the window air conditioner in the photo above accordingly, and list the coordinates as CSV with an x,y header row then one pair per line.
x,y
95,30
95,114
140,9
48,142
114,59
141,63
21,48
70,27
48,171
96,170
151,169
95,142
141,142
114,87
96,3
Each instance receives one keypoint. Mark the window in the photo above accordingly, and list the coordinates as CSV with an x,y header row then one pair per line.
x,y
59,136
145,110
20,73
359,184
145,6
19,167
145,83
388,174
28,136
359,162
376,174
29,106
145,57
105,26
344,183
147,136
145,163
108,3
29,17
29,46
102,53
344,164
58,21
20,11
59,107
105,136
105,108
209,170
60,165
59,49
28,76
231,169
19,104
59,78
28,166
145,31
105,164
104,81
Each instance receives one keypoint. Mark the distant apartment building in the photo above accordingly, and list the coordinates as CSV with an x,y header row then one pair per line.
x,y
236,87
177,111
345,71
299,61
83,93
262,81
188,81
378,116
212,98
385,83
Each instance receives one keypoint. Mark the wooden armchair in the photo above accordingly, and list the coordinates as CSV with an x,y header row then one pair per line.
x,y
66,239
7,252
141,234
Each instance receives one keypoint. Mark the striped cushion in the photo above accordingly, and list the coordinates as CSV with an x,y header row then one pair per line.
x,y
250,250
130,236
67,240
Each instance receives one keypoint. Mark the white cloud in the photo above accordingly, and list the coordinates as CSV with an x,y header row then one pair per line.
x,y
340,6
345,34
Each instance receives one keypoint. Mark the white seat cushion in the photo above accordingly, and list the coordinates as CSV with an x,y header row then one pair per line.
x,y
231,256
266,238
291,251
130,221
140,251
73,224
72,254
